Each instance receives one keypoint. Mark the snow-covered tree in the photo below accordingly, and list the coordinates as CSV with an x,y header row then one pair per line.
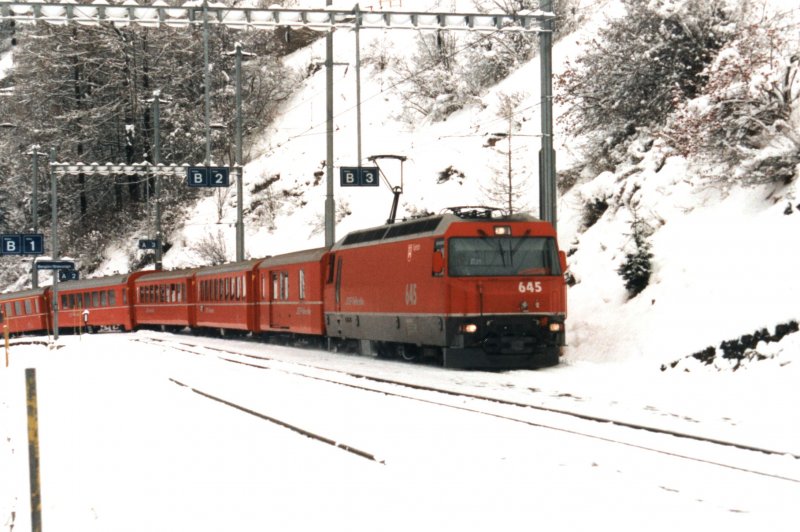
x,y
507,187
746,105
86,91
640,67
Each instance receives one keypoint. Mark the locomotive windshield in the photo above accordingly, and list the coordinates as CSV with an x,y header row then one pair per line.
x,y
503,256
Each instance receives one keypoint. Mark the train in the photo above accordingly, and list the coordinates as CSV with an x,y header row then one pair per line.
x,y
467,288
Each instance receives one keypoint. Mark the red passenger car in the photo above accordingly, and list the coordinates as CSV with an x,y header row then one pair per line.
x,y
165,299
224,296
108,300
468,288
289,293
25,312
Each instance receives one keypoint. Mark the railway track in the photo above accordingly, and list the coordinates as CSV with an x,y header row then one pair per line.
x,y
645,437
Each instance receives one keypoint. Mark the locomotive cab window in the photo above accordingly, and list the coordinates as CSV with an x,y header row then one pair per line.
x,y
503,256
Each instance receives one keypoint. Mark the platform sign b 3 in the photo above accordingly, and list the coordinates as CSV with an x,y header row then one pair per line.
x,y
359,176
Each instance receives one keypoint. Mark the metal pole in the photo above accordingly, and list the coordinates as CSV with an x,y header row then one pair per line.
x,y
156,161
207,84
358,80
547,155
238,161
330,210
54,241
35,209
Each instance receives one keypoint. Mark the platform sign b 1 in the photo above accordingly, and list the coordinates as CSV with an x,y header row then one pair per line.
x,y
22,244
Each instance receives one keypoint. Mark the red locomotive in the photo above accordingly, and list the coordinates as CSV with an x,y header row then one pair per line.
x,y
467,289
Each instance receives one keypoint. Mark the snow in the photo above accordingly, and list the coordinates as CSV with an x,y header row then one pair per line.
x,y
124,448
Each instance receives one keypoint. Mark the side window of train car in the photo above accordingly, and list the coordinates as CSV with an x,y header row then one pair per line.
x,y
331,268
28,309
284,286
437,268
112,298
17,308
301,279
8,310
95,299
64,302
338,282
103,299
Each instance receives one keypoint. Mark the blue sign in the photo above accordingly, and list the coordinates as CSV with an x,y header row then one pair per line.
x,y
208,176
148,244
33,244
12,244
359,176
24,244
55,265
68,275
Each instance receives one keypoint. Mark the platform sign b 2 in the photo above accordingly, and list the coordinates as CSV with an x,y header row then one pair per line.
x,y
208,176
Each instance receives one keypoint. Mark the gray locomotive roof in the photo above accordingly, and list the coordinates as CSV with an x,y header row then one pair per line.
x,y
292,258
24,293
419,227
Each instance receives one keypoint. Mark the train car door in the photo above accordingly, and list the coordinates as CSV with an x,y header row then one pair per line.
x,y
279,295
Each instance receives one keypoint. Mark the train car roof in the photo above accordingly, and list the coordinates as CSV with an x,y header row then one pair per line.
x,y
308,255
230,267
97,282
23,293
427,226
170,274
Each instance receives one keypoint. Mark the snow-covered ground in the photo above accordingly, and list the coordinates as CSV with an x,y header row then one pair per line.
x,y
125,448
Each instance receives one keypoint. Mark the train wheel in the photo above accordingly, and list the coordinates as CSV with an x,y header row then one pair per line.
x,y
409,353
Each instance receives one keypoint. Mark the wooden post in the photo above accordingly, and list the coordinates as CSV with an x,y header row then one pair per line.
x,y
33,450
5,336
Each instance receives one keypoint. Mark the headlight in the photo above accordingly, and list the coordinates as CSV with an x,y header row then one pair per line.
x,y
469,328
555,327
